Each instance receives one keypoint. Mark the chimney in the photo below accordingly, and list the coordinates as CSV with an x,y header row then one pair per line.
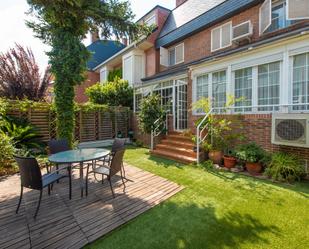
x,y
179,2
94,36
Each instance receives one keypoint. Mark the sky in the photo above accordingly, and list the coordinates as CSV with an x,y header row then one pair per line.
x,y
14,30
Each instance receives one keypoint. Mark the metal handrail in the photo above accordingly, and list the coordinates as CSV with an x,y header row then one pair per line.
x,y
199,132
156,131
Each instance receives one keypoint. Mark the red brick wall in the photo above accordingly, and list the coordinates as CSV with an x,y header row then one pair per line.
x,y
257,128
151,61
198,45
92,78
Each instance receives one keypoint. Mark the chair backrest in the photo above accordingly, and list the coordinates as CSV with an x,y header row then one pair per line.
x,y
30,173
116,163
118,144
56,146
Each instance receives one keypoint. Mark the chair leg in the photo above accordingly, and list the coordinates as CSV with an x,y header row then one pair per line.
x,y
20,198
57,168
124,172
48,189
87,174
124,185
110,184
38,207
70,182
102,179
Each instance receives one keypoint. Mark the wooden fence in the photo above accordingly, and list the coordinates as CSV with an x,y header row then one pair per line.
x,y
89,125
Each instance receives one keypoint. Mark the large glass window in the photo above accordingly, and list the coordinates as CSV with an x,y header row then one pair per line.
x,y
243,89
138,100
202,86
268,86
167,99
219,88
301,81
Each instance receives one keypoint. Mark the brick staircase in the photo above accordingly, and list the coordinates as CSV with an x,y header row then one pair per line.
x,y
176,146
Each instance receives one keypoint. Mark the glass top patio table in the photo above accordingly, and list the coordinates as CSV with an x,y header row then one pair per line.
x,y
78,156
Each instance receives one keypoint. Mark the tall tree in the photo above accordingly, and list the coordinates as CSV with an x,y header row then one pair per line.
x,y
20,75
64,24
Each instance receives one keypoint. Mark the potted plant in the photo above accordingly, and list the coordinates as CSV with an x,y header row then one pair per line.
x,y
229,160
253,156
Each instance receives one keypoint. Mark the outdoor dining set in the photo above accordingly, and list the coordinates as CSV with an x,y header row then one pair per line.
x,y
62,160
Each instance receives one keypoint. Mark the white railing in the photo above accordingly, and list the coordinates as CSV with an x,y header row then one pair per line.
x,y
257,109
158,126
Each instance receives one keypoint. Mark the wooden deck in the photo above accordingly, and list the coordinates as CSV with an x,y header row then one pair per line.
x,y
64,223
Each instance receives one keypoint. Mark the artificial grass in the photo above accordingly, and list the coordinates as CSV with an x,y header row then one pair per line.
x,y
215,210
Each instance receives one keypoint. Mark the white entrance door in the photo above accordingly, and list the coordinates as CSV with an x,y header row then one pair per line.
x,y
181,105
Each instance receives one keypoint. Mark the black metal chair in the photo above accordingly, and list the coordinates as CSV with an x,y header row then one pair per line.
x,y
31,177
115,166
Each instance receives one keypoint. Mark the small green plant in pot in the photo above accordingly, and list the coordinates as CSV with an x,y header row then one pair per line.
x,y
253,156
285,167
230,159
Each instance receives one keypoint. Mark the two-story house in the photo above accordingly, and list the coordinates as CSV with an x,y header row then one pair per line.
x,y
255,49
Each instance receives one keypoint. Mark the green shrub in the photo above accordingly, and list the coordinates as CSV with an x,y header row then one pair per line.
x,y
150,111
112,93
7,150
251,152
285,167
24,136
115,73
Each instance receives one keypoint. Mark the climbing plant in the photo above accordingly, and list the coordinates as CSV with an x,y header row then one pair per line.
x,y
63,24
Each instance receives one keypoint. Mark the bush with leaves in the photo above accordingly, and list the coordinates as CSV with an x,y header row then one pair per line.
x,y
113,93
20,76
23,135
117,73
150,111
7,150
285,167
251,153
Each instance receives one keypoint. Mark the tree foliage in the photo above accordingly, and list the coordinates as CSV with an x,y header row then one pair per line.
x,y
150,111
114,93
20,76
63,24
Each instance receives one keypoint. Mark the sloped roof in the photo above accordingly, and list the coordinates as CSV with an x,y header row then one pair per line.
x,y
102,50
194,15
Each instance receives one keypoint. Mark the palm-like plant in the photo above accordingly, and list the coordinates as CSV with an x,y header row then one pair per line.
x,y
24,136
20,75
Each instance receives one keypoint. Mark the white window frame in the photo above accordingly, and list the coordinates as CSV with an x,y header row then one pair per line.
x,y
220,28
150,18
260,17
183,54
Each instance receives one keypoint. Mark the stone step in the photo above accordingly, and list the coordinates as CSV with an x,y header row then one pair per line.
x,y
180,138
177,149
173,156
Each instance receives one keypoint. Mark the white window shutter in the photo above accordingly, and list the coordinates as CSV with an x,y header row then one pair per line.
x,y
297,9
215,39
163,56
179,53
265,15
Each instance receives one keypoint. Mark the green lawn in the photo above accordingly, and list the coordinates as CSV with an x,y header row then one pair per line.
x,y
215,210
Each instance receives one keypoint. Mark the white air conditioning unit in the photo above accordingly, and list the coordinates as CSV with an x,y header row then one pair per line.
x,y
242,31
290,129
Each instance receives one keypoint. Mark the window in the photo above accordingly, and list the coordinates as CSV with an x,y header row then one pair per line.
x,y
176,55
151,21
138,100
243,88
278,17
202,87
219,88
103,75
165,91
300,83
268,86
221,37
297,9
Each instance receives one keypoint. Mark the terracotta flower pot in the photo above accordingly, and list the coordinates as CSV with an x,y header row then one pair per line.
x,y
254,168
215,156
229,162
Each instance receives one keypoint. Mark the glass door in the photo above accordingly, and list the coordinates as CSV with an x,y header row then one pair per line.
x,y
181,105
